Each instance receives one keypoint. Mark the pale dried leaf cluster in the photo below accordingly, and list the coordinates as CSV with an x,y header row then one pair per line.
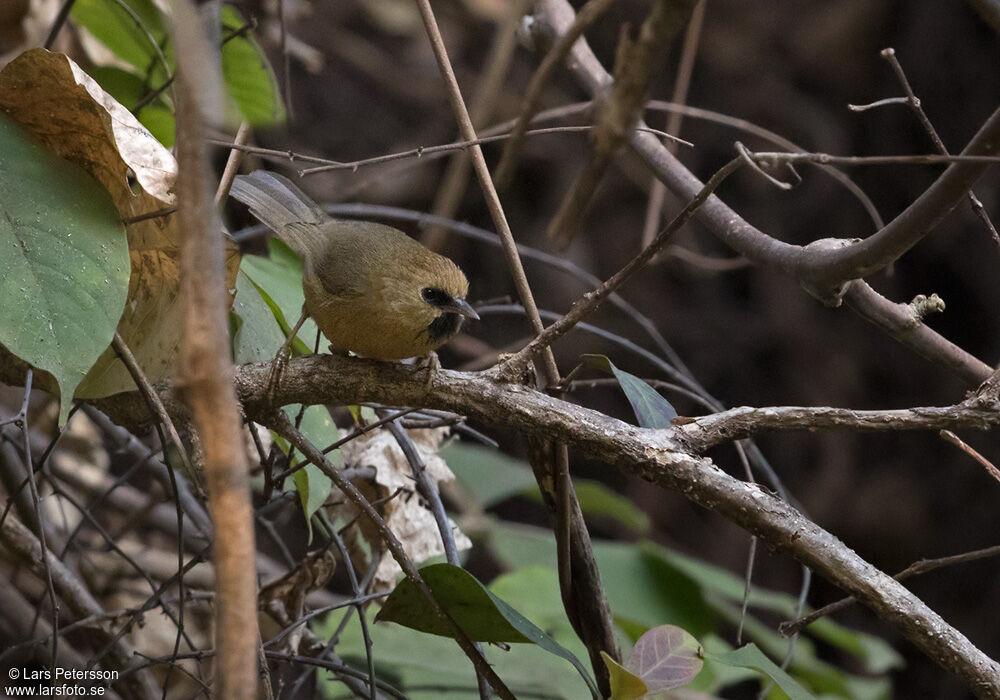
x,y
406,514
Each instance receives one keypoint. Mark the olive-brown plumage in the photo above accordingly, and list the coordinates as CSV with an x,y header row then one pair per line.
x,y
370,288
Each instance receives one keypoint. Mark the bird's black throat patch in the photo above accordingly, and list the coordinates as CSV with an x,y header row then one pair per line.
x,y
443,327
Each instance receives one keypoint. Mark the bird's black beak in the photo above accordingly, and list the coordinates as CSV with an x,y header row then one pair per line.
x,y
461,307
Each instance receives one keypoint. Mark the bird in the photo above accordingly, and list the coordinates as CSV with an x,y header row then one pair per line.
x,y
371,289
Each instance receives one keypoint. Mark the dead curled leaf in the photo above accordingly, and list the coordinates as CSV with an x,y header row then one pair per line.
x,y
51,97
407,515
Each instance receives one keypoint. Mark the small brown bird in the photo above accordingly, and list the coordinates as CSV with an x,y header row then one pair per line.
x,y
370,288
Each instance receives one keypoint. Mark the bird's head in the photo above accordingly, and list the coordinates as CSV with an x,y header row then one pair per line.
x,y
429,293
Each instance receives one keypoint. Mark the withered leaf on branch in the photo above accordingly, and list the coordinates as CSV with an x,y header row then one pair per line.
x,y
51,97
406,514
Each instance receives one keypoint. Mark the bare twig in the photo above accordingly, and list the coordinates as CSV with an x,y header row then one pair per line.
x,y
146,387
427,488
61,16
914,102
704,432
914,569
488,91
280,423
658,192
986,464
585,18
595,613
590,301
636,64
232,165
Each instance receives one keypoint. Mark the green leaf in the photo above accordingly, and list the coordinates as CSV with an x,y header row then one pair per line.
x,y
258,335
647,590
279,281
666,657
483,616
749,656
160,122
489,476
625,685
433,668
640,598
248,75
64,264
651,409
596,499
114,27
312,484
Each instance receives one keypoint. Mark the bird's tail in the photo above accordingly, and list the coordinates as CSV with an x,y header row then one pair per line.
x,y
282,206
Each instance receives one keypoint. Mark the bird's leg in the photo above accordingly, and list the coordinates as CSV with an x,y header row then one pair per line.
x,y
280,361
431,365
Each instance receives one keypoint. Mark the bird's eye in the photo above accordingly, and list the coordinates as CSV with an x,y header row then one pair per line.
x,y
435,296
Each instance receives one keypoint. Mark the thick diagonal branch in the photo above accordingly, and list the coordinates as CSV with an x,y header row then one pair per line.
x,y
658,456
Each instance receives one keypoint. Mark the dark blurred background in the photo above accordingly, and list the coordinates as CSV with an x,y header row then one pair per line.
x,y
750,335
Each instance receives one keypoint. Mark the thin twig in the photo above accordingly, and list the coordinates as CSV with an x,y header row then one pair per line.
x,y
167,211
58,22
591,300
914,102
357,589
146,387
585,18
456,178
232,165
284,427
590,592
427,488
20,419
658,191
918,567
990,468
422,151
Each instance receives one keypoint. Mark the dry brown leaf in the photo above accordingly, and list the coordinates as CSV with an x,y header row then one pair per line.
x,y
407,514
50,96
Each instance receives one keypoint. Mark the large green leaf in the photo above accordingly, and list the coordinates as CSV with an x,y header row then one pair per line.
x,y
64,265
490,477
481,614
278,278
640,589
425,667
248,75
487,475
117,29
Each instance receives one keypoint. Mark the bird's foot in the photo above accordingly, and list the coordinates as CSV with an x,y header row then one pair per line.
x,y
278,365
430,364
